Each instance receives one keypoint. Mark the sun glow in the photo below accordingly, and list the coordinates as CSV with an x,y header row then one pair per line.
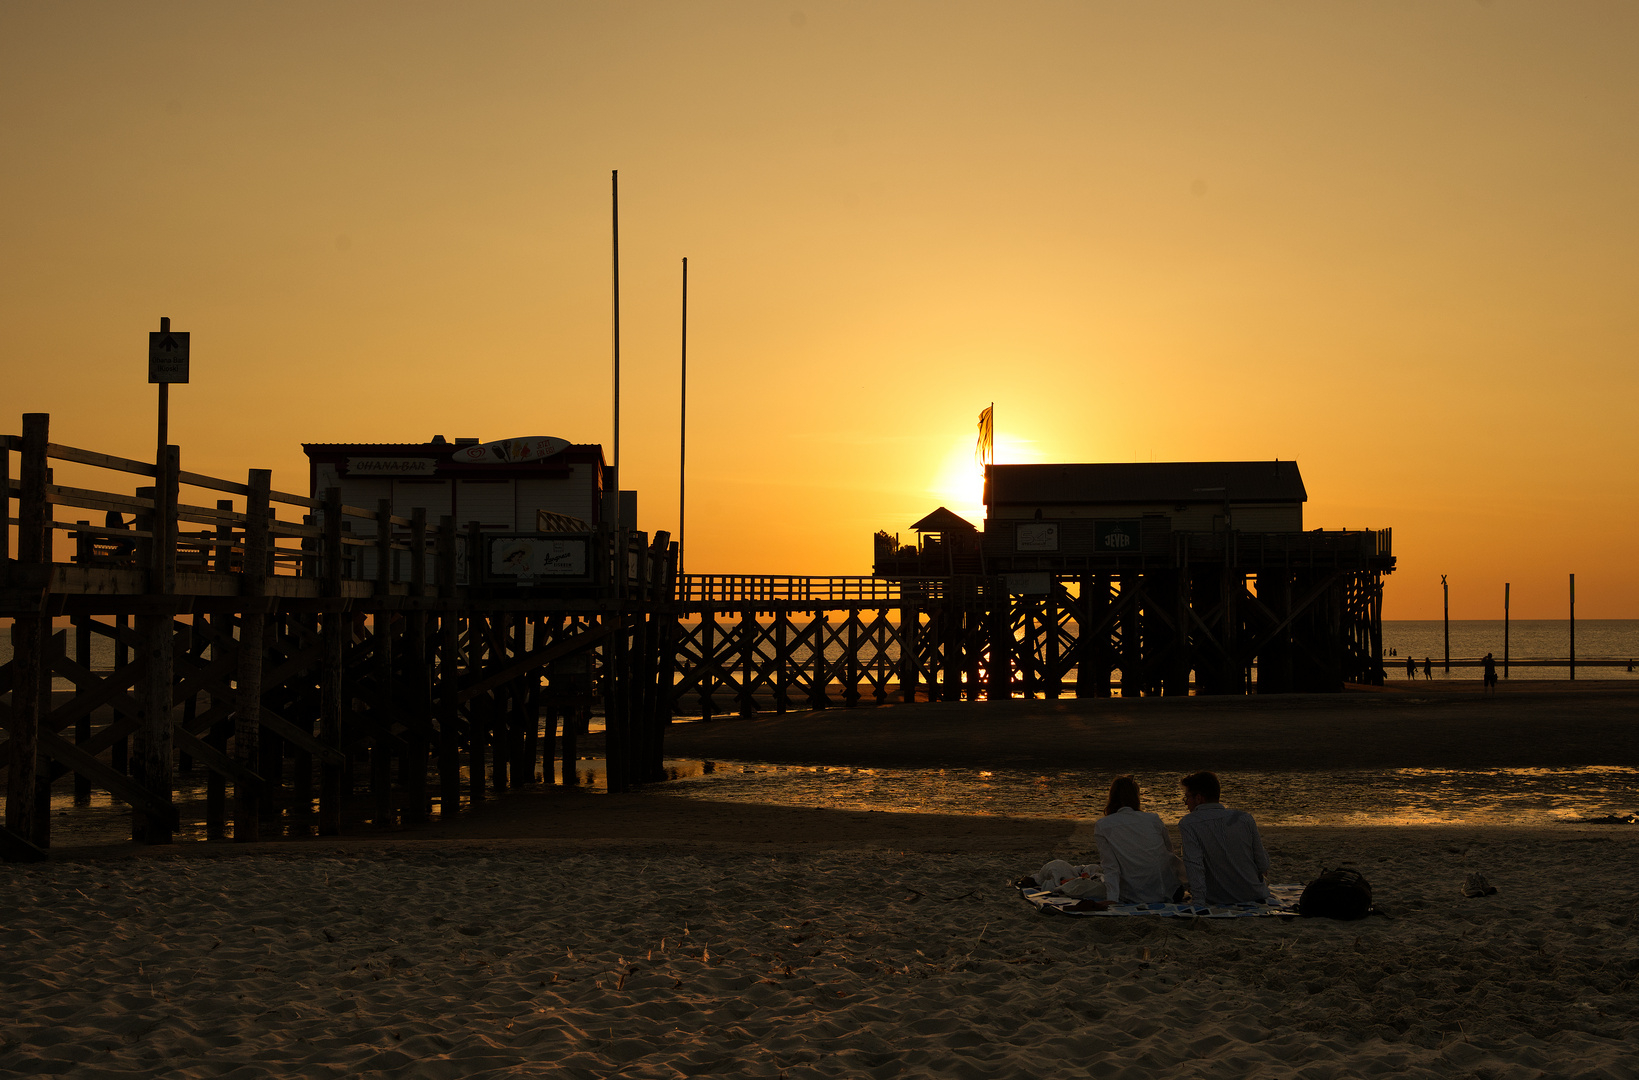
x,y
960,483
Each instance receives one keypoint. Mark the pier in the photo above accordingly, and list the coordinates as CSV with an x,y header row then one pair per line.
x,y
247,642
333,667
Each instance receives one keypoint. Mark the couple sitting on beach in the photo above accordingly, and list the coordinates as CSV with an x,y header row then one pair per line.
x,y
1224,860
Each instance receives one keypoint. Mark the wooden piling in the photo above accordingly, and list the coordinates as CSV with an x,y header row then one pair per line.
x,y
335,632
420,678
152,758
477,641
449,644
247,701
82,726
28,641
381,770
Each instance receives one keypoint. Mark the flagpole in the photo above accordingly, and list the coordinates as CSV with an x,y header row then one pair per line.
x,y
683,421
611,506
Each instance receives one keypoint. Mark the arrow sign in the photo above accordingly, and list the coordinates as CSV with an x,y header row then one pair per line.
x,y
167,357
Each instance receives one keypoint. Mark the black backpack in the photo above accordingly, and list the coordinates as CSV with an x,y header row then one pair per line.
x,y
1337,894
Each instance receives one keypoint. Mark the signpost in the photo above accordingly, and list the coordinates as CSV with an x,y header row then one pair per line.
x,y
167,364
167,357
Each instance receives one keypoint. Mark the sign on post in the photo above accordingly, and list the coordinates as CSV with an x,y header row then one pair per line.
x,y
167,357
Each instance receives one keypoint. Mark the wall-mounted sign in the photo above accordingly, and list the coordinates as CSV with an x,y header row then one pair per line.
x,y
1116,537
1028,584
1036,536
511,451
388,466
167,356
524,558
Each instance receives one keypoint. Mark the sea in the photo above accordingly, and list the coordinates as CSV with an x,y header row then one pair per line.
x,y
1611,645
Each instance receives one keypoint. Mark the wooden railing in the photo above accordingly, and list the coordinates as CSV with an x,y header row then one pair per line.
x,y
833,589
318,538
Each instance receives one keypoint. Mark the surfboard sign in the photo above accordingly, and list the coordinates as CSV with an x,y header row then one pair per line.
x,y
511,451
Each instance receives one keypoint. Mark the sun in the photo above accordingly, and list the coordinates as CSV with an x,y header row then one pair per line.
x,y
959,484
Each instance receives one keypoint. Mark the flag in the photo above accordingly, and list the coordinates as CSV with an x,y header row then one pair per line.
x,y
985,452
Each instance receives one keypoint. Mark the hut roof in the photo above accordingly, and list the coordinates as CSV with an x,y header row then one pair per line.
x,y
943,521
1148,482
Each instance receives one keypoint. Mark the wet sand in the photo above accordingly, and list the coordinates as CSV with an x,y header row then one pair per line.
x,y
651,936
1425,725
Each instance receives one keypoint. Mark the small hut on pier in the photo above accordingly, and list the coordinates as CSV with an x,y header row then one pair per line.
x,y
947,544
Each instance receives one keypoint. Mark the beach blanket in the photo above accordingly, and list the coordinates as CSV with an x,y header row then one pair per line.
x,y
1283,900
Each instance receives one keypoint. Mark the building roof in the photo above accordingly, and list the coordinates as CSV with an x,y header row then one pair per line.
x,y
943,521
1147,482
444,450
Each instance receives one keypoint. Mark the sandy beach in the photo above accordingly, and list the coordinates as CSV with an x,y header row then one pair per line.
x,y
646,936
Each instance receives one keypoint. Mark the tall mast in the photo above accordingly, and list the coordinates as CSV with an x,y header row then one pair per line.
x,y
683,421
611,497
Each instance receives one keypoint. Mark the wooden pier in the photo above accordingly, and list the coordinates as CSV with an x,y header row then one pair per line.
x,y
333,667
244,643
1280,613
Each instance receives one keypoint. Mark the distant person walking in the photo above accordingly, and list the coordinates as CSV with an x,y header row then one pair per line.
x,y
1490,673
1411,667
1428,667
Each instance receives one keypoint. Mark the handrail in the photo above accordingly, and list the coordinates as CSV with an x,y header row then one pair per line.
x,y
101,461
800,588
294,500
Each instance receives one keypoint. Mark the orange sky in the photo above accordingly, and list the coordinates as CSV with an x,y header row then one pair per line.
x,y
1395,242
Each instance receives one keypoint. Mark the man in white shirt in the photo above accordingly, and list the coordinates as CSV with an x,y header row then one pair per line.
x,y
1224,857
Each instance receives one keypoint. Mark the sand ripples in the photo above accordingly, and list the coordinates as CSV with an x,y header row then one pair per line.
x,y
646,962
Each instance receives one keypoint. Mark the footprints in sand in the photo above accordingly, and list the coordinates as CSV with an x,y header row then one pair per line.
x,y
649,962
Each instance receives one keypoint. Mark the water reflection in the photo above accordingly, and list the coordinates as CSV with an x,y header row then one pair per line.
x,y
1605,794
1357,797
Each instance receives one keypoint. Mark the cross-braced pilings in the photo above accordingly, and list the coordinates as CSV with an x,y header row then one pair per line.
x,y
253,649
326,665
1265,613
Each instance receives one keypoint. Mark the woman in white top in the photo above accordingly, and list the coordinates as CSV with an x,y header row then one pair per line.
x,y
1135,851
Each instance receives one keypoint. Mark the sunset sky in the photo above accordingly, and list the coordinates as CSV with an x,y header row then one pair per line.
x,y
1395,242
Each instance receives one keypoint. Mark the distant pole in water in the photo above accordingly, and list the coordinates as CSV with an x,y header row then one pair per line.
x,y
1447,590
683,421
1505,588
1573,626
611,497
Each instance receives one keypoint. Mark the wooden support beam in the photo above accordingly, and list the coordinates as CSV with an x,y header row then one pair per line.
x,y
1303,605
417,761
151,761
381,771
449,717
478,715
910,647
140,796
212,758
28,639
294,734
14,848
247,710
334,633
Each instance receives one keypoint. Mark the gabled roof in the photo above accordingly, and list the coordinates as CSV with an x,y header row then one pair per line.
x,y
943,521
1147,482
